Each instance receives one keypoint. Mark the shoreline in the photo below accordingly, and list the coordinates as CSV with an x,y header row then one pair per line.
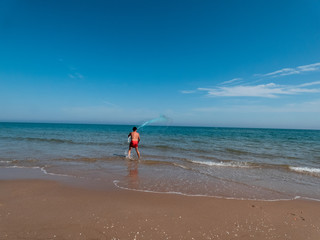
x,y
112,183
216,197
127,180
54,209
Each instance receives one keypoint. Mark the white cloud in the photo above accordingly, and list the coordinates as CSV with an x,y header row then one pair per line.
x,y
310,67
270,90
282,72
236,88
232,81
188,91
291,71
309,84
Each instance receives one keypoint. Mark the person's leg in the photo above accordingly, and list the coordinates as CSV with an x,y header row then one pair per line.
x,y
129,152
138,152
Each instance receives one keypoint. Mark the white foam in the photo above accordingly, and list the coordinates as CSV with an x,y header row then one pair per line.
x,y
53,174
306,170
42,169
22,167
222,164
181,166
116,183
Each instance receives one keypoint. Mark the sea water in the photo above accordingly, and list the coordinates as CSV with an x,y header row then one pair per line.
x,y
267,164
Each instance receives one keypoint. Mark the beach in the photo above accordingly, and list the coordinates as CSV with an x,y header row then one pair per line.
x,y
75,181
53,209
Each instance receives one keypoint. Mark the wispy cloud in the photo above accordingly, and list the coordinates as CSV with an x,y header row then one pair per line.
x,y
238,87
232,81
187,91
310,84
110,104
291,71
270,90
73,73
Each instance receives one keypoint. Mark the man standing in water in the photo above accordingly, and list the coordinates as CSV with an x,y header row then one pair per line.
x,y
135,139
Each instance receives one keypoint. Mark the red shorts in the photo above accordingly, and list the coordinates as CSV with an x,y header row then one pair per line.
x,y
134,144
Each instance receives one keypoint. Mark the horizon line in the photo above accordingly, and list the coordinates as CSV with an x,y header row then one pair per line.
x,y
155,125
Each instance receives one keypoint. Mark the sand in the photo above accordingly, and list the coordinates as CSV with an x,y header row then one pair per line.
x,y
43,209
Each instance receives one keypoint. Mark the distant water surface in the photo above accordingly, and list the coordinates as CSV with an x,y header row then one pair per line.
x,y
265,164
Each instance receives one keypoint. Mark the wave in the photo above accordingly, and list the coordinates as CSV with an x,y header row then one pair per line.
x,y
224,164
302,170
307,170
1,161
214,162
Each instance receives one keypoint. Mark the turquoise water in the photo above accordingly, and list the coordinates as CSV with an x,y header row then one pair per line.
x,y
223,162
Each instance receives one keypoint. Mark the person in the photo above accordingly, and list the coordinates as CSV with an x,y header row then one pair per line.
x,y
135,139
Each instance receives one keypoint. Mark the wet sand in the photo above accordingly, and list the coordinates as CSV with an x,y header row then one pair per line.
x,y
46,209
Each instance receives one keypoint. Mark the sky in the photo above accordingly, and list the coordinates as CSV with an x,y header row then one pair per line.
x,y
225,63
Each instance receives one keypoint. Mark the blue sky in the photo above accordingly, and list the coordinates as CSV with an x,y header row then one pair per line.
x,y
201,63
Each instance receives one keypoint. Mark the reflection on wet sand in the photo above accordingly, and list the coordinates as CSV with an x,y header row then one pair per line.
x,y
133,174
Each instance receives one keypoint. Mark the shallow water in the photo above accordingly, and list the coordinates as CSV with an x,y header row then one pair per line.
x,y
223,162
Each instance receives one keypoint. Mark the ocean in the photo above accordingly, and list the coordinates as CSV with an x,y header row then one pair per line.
x,y
237,163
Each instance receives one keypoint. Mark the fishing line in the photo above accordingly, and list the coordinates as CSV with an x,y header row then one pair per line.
x,y
162,118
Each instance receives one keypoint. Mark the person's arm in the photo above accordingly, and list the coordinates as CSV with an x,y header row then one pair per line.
x,y
129,135
139,138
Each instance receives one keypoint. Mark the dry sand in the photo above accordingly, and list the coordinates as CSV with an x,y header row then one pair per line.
x,y
40,209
